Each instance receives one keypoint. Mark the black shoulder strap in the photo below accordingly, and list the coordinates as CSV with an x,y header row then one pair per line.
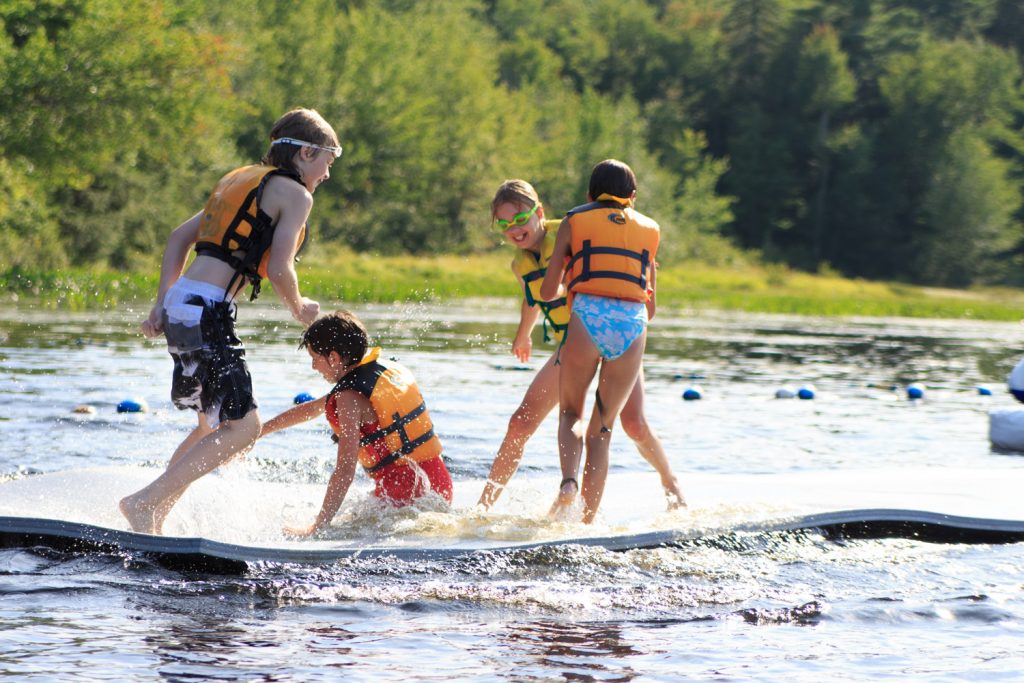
x,y
362,379
605,204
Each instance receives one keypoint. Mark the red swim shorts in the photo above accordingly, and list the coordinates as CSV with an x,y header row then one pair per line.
x,y
403,482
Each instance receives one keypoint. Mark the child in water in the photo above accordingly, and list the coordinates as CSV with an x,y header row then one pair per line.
x,y
251,227
608,248
378,416
519,214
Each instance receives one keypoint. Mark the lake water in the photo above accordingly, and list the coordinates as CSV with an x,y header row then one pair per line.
x,y
779,606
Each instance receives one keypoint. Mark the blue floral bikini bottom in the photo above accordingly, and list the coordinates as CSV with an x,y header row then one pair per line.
x,y
613,324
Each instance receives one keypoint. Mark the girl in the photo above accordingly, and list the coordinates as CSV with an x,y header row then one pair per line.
x,y
608,249
251,227
517,211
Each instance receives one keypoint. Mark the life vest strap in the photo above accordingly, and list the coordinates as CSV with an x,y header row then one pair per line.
x,y
531,277
600,204
397,426
546,307
586,273
407,448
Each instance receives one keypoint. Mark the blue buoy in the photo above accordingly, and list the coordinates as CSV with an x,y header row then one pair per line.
x,y
132,405
785,392
693,393
984,390
303,397
915,391
806,392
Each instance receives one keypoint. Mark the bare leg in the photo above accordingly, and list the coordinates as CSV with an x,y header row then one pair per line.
x,y
146,509
540,399
634,423
194,436
577,365
615,383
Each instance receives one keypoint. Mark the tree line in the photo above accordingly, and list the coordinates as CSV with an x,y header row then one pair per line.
x,y
877,138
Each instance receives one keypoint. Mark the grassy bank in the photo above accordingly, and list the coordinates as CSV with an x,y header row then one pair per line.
x,y
349,278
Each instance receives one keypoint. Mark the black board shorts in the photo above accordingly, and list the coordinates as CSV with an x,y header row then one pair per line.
x,y
210,372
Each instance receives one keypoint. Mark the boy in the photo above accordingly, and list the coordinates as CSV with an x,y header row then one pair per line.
x,y
251,227
378,417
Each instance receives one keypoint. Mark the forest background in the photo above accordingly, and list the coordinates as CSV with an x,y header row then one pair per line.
x,y
879,139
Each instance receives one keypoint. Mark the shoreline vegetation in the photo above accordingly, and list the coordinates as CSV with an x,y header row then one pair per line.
x,y
691,286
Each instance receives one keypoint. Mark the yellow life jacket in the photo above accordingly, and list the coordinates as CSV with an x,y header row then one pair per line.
x,y
404,430
531,268
235,229
613,249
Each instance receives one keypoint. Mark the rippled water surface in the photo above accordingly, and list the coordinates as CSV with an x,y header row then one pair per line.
x,y
776,606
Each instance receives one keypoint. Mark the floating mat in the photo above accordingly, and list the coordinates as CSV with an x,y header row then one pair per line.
x,y
226,521
200,554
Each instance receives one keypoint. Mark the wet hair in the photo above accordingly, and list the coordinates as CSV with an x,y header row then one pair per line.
x,y
514,192
612,177
300,124
340,331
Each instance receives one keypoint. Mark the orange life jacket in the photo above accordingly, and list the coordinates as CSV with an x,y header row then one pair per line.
x,y
613,249
235,229
405,431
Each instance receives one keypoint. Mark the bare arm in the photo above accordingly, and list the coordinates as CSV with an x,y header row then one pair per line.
x,y
551,288
179,244
291,203
349,411
522,344
652,303
304,412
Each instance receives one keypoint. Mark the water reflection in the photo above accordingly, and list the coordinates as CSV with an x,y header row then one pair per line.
x,y
575,651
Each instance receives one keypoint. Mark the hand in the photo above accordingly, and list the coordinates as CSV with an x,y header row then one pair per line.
x,y
308,311
300,532
153,326
521,348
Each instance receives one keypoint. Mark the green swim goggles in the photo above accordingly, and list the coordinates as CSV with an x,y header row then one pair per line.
x,y
519,219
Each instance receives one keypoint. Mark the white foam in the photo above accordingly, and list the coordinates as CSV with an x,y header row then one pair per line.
x,y
232,508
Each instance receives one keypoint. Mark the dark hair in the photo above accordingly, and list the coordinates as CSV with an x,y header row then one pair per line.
x,y
612,177
340,331
299,124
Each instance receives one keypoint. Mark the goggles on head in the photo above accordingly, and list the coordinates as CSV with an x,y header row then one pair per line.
x,y
336,151
517,220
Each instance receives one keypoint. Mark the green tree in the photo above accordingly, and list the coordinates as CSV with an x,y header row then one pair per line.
x,y
825,86
967,215
93,92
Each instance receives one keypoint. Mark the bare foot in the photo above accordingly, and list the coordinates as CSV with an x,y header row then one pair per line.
x,y
566,495
140,518
674,495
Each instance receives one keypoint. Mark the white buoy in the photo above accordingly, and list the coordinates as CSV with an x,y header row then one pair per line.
x,y
785,392
1006,429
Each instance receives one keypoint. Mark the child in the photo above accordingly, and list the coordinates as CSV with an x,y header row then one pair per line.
x,y
252,227
608,249
378,416
517,211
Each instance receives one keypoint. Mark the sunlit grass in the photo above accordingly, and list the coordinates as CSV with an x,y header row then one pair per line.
x,y
345,277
